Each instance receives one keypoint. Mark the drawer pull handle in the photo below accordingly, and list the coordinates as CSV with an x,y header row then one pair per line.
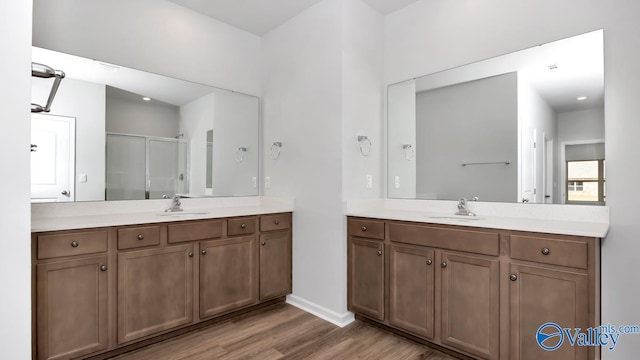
x,y
242,226
429,261
443,265
545,251
364,228
203,252
103,268
140,237
263,243
379,252
513,277
277,222
74,244
190,254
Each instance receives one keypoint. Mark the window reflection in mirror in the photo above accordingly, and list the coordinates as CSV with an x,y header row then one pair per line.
x,y
157,144
497,129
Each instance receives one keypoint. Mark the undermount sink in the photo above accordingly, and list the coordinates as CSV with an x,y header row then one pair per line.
x,y
183,213
454,217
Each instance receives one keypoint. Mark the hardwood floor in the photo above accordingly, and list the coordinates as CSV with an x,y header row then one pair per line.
x,y
285,332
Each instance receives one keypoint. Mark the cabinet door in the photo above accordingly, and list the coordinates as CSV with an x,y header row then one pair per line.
x,y
71,308
539,296
155,291
275,264
470,303
411,287
228,275
366,277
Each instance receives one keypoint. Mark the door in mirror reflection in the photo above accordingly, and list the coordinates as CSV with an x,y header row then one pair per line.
x,y
167,168
52,158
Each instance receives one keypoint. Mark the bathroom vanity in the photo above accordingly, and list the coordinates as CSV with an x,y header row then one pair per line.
x,y
482,292
118,287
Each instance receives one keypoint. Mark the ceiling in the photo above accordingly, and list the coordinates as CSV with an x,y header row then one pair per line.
x,y
260,16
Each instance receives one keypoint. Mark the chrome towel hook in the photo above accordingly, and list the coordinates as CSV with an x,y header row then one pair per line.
x,y
275,150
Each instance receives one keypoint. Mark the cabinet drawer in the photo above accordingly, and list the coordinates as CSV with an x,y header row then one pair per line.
x,y
549,250
135,237
197,230
366,228
275,222
241,226
70,244
473,241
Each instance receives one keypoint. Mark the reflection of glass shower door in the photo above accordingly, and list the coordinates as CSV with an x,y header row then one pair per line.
x,y
167,168
140,167
126,167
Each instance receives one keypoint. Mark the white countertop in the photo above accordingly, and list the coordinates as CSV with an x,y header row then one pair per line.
x,y
555,219
53,217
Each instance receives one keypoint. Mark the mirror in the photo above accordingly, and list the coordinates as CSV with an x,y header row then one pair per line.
x,y
522,127
116,133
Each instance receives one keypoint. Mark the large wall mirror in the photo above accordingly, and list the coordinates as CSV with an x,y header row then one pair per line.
x,y
523,127
115,133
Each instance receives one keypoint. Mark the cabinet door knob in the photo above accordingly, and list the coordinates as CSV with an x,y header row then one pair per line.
x,y
190,254
277,222
379,252
242,226
203,252
513,277
74,244
263,243
545,251
140,237
429,261
364,228
443,265
103,268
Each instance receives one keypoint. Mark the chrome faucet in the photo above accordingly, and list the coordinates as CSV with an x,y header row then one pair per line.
x,y
463,208
175,204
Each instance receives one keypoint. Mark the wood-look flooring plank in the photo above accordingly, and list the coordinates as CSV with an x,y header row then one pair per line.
x,y
283,332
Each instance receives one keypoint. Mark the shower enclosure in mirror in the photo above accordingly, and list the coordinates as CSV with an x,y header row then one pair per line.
x,y
522,127
136,135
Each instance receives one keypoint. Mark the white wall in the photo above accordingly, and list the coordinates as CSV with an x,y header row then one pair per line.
x,y
152,35
235,124
458,33
475,121
15,218
401,130
535,113
196,118
581,125
302,107
127,116
362,99
84,101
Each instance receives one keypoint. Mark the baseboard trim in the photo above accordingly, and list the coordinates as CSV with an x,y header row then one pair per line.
x,y
323,313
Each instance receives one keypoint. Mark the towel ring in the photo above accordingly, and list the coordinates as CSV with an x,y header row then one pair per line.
x,y
365,145
240,154
409,152
275,150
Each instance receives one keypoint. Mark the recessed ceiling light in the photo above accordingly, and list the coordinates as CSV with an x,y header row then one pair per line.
x,y
581,98
146,98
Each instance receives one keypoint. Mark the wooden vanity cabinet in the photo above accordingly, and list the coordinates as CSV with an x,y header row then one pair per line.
x,y
228,275
480,292
552,279
97,290
71,273
275,256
